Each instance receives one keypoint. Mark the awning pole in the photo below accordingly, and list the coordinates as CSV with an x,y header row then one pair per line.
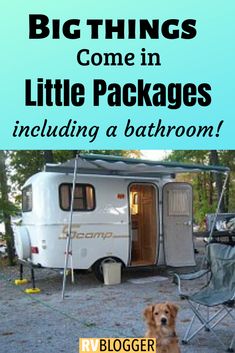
x,y
68,250
218,206
215,217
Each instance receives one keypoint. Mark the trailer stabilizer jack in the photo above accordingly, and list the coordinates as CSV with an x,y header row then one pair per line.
x,y
32,290
19,282
22,280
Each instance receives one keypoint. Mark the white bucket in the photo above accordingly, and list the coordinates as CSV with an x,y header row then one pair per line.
x,y
112,273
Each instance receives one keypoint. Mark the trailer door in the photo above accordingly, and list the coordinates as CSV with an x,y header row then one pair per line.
x,y
178,224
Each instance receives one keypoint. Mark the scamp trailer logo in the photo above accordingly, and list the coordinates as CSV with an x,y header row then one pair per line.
x,y
76,234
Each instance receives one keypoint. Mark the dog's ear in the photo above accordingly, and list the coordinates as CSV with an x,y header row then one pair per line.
x,y
173,308
148,314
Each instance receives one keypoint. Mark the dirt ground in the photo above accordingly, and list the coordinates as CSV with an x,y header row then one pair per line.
x,y
43,323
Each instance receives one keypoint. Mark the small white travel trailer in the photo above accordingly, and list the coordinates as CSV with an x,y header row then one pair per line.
x,y
128,210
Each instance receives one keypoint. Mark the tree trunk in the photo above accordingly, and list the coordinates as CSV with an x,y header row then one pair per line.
x,y
75,153
6,215
199,187
227,194
48,156
214,159
211,189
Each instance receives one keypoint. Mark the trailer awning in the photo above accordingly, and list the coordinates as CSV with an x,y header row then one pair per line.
x,y
115,165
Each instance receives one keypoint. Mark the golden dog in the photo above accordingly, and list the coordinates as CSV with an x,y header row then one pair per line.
x,y
160,319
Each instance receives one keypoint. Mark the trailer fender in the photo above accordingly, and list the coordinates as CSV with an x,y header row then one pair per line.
x,y
22,243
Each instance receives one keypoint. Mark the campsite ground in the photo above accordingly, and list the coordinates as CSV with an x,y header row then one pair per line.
x,y
44,323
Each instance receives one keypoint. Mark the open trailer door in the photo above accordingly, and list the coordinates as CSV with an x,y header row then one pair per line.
x,y
178,224
143,213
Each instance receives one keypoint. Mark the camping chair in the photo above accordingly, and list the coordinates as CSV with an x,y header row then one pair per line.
x,y
218,291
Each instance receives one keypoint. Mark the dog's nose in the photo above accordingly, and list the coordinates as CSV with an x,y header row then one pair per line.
x,y
163,320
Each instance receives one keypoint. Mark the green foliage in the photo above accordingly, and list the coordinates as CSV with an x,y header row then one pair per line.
x,y
24,164
207,186
7,207
200,157
123,153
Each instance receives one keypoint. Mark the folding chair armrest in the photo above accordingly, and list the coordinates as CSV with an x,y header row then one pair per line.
x,y
188,276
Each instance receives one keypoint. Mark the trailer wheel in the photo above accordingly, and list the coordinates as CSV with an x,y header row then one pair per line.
x,y
98,267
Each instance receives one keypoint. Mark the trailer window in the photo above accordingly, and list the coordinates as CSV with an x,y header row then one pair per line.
x,y
178,201
27,199
84,197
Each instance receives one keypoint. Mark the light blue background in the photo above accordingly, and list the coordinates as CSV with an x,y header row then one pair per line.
x,y
207,58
